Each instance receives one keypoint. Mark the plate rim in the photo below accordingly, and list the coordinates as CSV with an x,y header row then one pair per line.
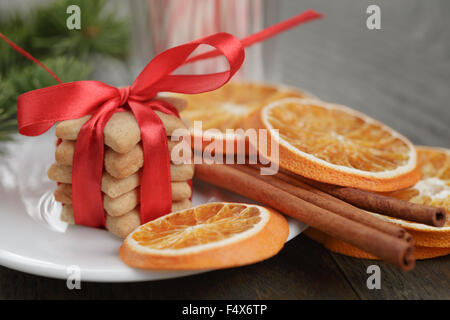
x,y
51,270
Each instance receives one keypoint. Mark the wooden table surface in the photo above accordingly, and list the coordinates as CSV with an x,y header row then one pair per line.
x,y
399,75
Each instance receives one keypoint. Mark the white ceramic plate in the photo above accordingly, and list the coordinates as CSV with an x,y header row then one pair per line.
x,y
33,240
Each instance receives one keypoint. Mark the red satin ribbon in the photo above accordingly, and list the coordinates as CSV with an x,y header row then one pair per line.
x,y
40,109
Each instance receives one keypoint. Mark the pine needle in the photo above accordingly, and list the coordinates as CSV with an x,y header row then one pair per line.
x,y
45,35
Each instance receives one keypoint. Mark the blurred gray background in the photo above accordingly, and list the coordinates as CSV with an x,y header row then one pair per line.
x,y
400,74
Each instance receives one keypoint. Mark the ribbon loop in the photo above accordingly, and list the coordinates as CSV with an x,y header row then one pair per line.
x,y
156,76
124,95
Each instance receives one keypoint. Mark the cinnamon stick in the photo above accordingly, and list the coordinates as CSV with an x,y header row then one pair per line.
x,y
387,247
326,201
370,201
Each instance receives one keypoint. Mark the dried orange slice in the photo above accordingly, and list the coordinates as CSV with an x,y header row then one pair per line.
x,y
209,236
229,106
432,189
335,144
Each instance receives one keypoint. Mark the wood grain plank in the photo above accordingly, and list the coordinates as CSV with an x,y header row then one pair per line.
x,y
430,279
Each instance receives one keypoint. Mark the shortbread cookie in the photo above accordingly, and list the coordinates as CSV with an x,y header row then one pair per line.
x,y
181,172
128,201
181,190
181,205
122,204
69,129
110,185
63,193
122,225
60,173
121,132
67,210
64,152
122,165
67,214
116,187
119,165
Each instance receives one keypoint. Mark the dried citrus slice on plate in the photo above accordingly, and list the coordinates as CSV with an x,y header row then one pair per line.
x,y
338,145
229,106
209,236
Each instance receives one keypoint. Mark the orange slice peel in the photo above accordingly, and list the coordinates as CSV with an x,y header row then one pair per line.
x,y
341,247
209,236
228,107
432,189
335,144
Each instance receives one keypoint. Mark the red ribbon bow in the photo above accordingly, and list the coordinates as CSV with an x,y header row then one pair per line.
x,y
38,110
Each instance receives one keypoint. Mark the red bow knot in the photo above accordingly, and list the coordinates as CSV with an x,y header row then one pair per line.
x,y
124,94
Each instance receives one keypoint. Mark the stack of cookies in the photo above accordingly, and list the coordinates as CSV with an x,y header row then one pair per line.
x,y
123,161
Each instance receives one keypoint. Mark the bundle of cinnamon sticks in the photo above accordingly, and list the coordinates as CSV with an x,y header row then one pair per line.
x,y
337,211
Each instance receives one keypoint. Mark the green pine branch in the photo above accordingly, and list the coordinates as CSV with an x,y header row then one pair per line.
x,y
21,80
44,34
101,32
